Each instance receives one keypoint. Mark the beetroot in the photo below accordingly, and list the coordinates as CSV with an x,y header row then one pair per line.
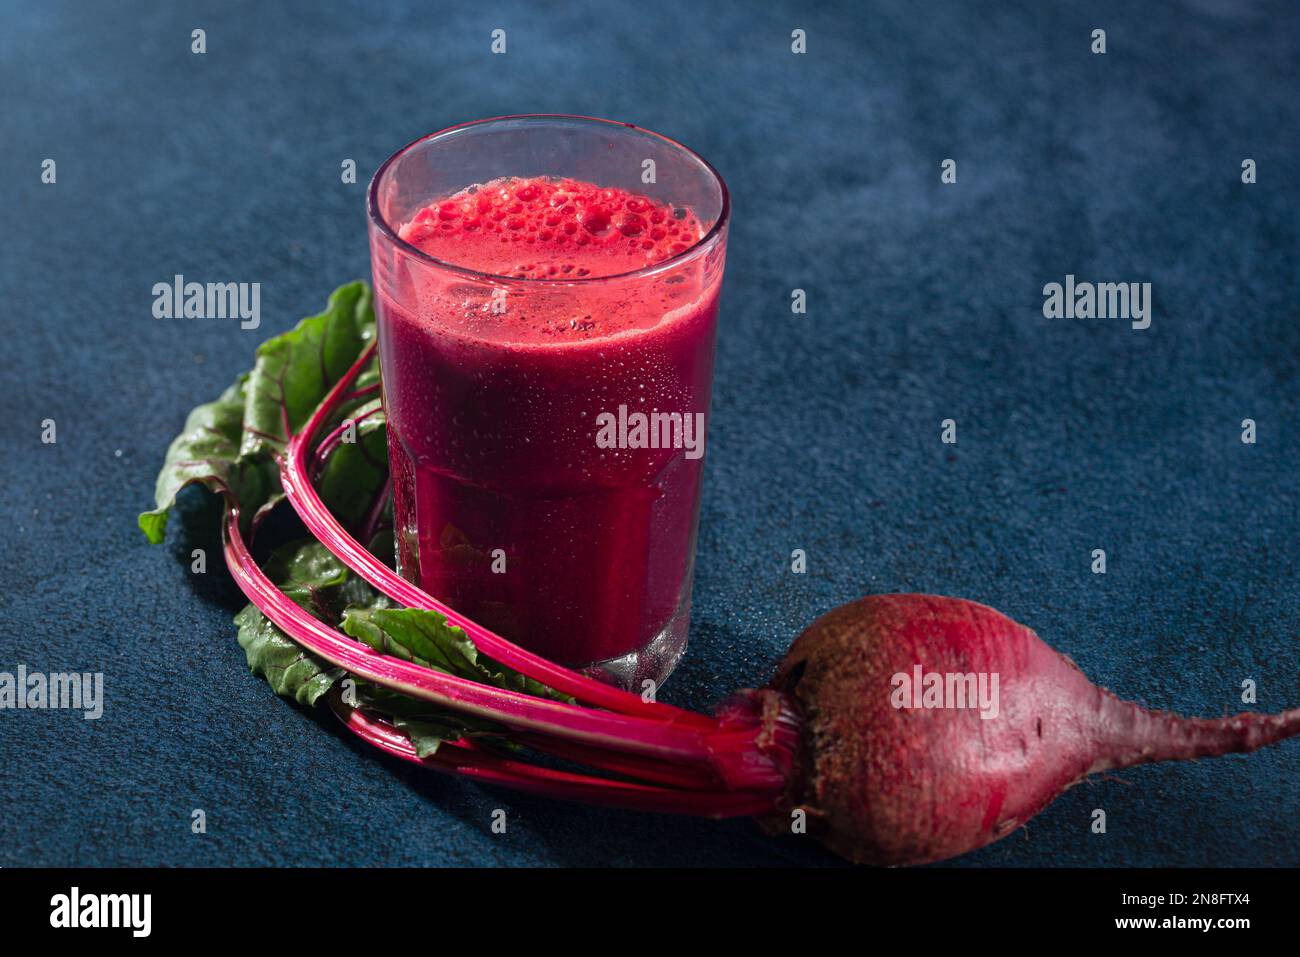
x,y
886,785
906,728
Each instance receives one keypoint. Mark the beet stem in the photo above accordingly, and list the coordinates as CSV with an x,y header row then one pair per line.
x,y
485,767
627,733
370,523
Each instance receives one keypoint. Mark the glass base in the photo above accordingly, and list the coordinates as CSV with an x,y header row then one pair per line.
x,y
654,663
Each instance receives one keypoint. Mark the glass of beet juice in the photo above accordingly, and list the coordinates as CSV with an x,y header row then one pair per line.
x,y
547,301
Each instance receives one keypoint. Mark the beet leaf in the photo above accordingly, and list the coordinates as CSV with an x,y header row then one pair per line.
x,y
294,371
207,452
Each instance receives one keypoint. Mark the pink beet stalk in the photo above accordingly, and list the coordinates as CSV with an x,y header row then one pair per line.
x,y
333,440
659,739
489,768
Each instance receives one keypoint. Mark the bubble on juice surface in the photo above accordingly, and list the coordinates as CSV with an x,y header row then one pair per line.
x,y
559,231
572,229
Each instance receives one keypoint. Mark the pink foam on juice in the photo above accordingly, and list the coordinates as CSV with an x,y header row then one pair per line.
x,y
505,505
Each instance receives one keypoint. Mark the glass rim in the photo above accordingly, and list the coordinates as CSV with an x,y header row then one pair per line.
x,y
695,250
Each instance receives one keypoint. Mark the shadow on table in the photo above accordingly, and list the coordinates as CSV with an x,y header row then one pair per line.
x,y
578,835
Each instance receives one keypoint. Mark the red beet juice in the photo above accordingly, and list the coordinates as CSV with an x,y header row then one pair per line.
x,y
499,377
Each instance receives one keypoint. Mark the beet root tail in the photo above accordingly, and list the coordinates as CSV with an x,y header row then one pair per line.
x,y
1129,734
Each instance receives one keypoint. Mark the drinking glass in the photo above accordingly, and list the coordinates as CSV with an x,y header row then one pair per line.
x,y
522,496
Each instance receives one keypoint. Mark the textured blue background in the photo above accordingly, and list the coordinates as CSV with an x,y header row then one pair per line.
x,y
924,304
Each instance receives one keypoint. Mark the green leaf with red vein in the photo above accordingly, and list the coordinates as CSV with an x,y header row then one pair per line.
x,y
229,445
294,371
207,452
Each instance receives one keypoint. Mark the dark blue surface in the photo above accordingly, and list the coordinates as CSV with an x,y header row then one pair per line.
x,y
924,304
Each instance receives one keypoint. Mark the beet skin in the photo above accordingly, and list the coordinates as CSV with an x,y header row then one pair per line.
x,y
887,785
